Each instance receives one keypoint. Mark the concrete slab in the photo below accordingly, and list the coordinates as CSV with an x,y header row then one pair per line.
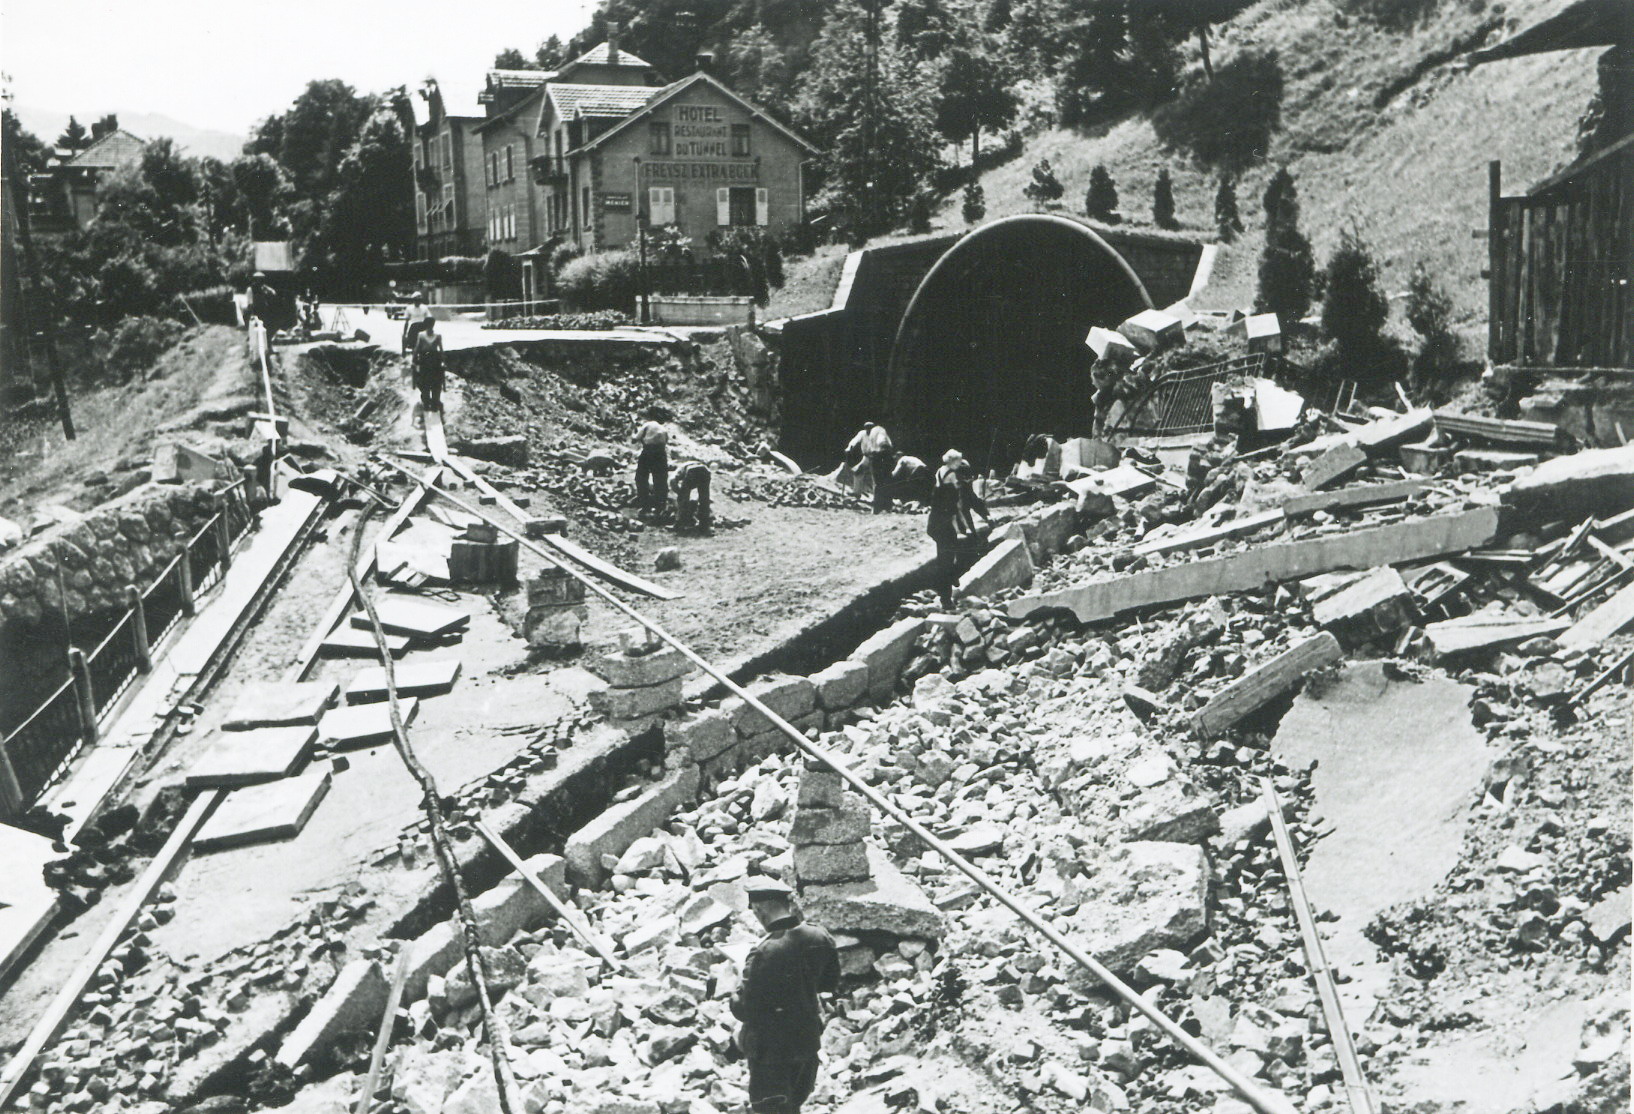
x,y
27,904
614,830
1006,565
279,703
249,757
262,813
431,677
363,725
414,618
887,902
352,1004
350,642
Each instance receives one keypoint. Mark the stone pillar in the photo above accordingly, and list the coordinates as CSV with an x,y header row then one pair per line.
x,y
830,830
644,680
83,694
556,611
184,573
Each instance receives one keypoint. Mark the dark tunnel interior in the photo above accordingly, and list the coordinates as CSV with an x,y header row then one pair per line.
x,y
991,349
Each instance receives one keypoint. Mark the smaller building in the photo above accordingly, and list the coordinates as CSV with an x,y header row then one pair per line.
x,y
63,198
511,99
450,203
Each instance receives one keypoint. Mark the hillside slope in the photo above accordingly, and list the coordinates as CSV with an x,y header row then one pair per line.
x,y
1388,132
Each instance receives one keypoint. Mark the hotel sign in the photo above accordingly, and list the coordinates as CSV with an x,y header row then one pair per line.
x,y
701,131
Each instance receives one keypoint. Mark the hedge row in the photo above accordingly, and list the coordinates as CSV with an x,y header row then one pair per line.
x,y
600,319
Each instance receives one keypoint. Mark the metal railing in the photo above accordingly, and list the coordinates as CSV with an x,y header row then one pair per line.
x,y
38,752
1182,402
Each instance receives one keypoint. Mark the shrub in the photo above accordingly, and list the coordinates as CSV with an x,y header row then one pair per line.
x,y
601,280
1163,201
1397,15
1045,186
1429,312
1227,123
1378,360
975,203
1101,199
563,254
1354,308
1226,217
762,252
135,344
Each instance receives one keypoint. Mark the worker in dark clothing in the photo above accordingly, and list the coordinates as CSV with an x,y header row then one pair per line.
x,y
652,466
691,486
428,366
777,1001
951,525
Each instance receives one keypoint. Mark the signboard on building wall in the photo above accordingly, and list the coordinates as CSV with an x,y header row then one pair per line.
x,y
701,131
615,202
719,172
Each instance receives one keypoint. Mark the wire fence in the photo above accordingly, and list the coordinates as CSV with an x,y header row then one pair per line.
x,y
38,752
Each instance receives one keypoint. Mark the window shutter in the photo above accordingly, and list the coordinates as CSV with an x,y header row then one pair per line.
x,y
661,205
723,207
669,203
762,205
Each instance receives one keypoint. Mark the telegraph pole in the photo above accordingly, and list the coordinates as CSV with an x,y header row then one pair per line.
x,y
34,320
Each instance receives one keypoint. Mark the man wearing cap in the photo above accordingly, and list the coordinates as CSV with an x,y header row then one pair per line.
x,y
951,522
777,1000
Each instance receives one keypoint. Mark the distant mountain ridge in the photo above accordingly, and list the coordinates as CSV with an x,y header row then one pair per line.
x,y
48,125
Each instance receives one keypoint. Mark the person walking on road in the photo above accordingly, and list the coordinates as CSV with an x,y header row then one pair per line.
x,y
415,319
951,524
778,1003
691,484
428,366
652,466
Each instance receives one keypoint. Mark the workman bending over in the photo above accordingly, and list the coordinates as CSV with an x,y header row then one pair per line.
x,y
652,466
869,453
428,365
778,1000
691,484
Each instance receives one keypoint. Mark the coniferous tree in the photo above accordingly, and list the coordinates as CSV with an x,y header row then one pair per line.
x,y
1227,219
74,136
1101,199
1354,306
1163,201
1429,312
1287,267
550,54
1045,186
975,203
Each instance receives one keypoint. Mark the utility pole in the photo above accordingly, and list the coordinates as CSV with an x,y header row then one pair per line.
x,y
35,319
641,240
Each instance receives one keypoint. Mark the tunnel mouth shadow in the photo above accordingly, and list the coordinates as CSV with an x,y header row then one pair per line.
x,y
991,347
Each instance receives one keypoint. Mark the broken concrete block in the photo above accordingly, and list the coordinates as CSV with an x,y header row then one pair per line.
x,y
627,704
1394,430
887,902
431,953
1264,333
1007,565
353,1003
1257,687
1375,604
1173,811
1333,465
886,654
1058,523
827,863
1151,330
1111,346
702,737
1153,895
1570,488
789,697
622,824
821,789
1480,633
279,703
506,970
827,826
625,670
510,450
514,905
841,685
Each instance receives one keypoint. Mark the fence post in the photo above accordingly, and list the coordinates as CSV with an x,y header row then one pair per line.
x,y
185,571
11,790
83,694
139,624
223,535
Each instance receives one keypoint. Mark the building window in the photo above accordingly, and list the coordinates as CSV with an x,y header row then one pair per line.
x,y
741,206
740,140
659,131
420,212
419,158
584,208
448,150
448,205
510,168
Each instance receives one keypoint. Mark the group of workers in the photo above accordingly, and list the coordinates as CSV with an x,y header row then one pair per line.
x,y
879,473
653,480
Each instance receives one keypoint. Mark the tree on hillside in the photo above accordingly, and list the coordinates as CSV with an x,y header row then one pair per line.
x,y
975,203
513,59
1429,312
757,68
1287,266
878,138
74,136
550,54
1045,186
1033,37
1227,122
1163,201
33,156
975,94
1354,306
370,217
1101,199
924,28
1117,56
1227,219
997,17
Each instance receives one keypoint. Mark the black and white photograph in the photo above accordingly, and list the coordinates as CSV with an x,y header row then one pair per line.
x,y
816,557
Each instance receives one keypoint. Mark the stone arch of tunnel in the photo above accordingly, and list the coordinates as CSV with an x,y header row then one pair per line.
x,y
990,349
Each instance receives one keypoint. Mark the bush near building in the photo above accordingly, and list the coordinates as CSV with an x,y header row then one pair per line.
x,y
600,280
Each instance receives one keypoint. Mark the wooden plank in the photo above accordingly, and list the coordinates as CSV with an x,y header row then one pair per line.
x,y
237,758
61,1008
1385,432
388,1021
436,443
1358,495
570,916
499,497
606,571
263,813
279,704
1259,686
1601,623
1193,539
1369,547
418,678
1476,633
1502,431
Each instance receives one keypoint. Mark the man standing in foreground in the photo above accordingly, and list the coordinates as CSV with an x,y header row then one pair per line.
x,y
777,1000
652,466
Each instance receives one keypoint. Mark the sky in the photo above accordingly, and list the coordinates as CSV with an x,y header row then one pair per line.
x,y
223,65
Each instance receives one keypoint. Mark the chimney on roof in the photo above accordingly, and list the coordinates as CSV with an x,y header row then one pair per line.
x,y
706,61
613,28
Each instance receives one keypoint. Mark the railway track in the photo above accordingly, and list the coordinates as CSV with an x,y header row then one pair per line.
x,y
591,572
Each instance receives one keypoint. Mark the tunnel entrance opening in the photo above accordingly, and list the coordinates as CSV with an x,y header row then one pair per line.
x,y
991,348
